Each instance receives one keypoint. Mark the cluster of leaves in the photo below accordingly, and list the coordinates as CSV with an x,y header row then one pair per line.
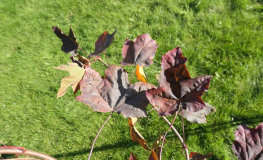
x,y
114,93
176,91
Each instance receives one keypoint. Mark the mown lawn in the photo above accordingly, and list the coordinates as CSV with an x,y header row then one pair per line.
x,y
222,38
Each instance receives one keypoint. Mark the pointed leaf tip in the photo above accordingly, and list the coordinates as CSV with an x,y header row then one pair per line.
x,y
199,116
103,42
70,43
153,156
140,51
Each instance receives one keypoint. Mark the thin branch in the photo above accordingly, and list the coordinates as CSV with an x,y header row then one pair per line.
x,y
22,151
179,136
98,58
141,117
2,143
176,132
183,128
150,110
106,57
98,135
82,49
166,134
132,74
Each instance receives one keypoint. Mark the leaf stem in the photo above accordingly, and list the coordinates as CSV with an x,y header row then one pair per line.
x,y
106,57
76,44
98,135
98,58
166,134
179,136
183,127
142,117
82,49
132,74
2,143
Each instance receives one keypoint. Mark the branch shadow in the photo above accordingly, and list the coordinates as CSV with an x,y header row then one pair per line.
x,y
122,144
248,120
129,143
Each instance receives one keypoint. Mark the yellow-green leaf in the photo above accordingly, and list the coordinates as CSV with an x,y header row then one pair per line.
x,y
76,74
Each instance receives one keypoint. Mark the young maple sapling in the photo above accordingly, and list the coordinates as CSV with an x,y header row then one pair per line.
x,y
176,92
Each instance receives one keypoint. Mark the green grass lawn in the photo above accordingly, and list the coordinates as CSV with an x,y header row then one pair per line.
x,y
222,38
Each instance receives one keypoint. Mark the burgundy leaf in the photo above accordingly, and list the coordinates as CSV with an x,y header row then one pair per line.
x,y
191,91
140,51
132,157
114,93
249,143
173,71
167,103
102,43
70,43
90,94
177,87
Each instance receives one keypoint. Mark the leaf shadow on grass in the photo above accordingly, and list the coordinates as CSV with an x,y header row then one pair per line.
x,y
248,120
122,144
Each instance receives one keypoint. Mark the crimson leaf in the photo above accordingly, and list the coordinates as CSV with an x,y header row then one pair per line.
x,y
103,42
70,43
140,51
177,87
249,143
114,93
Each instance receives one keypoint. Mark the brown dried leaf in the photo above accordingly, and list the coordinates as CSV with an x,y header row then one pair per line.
x,y
135,134
153,156
83,60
